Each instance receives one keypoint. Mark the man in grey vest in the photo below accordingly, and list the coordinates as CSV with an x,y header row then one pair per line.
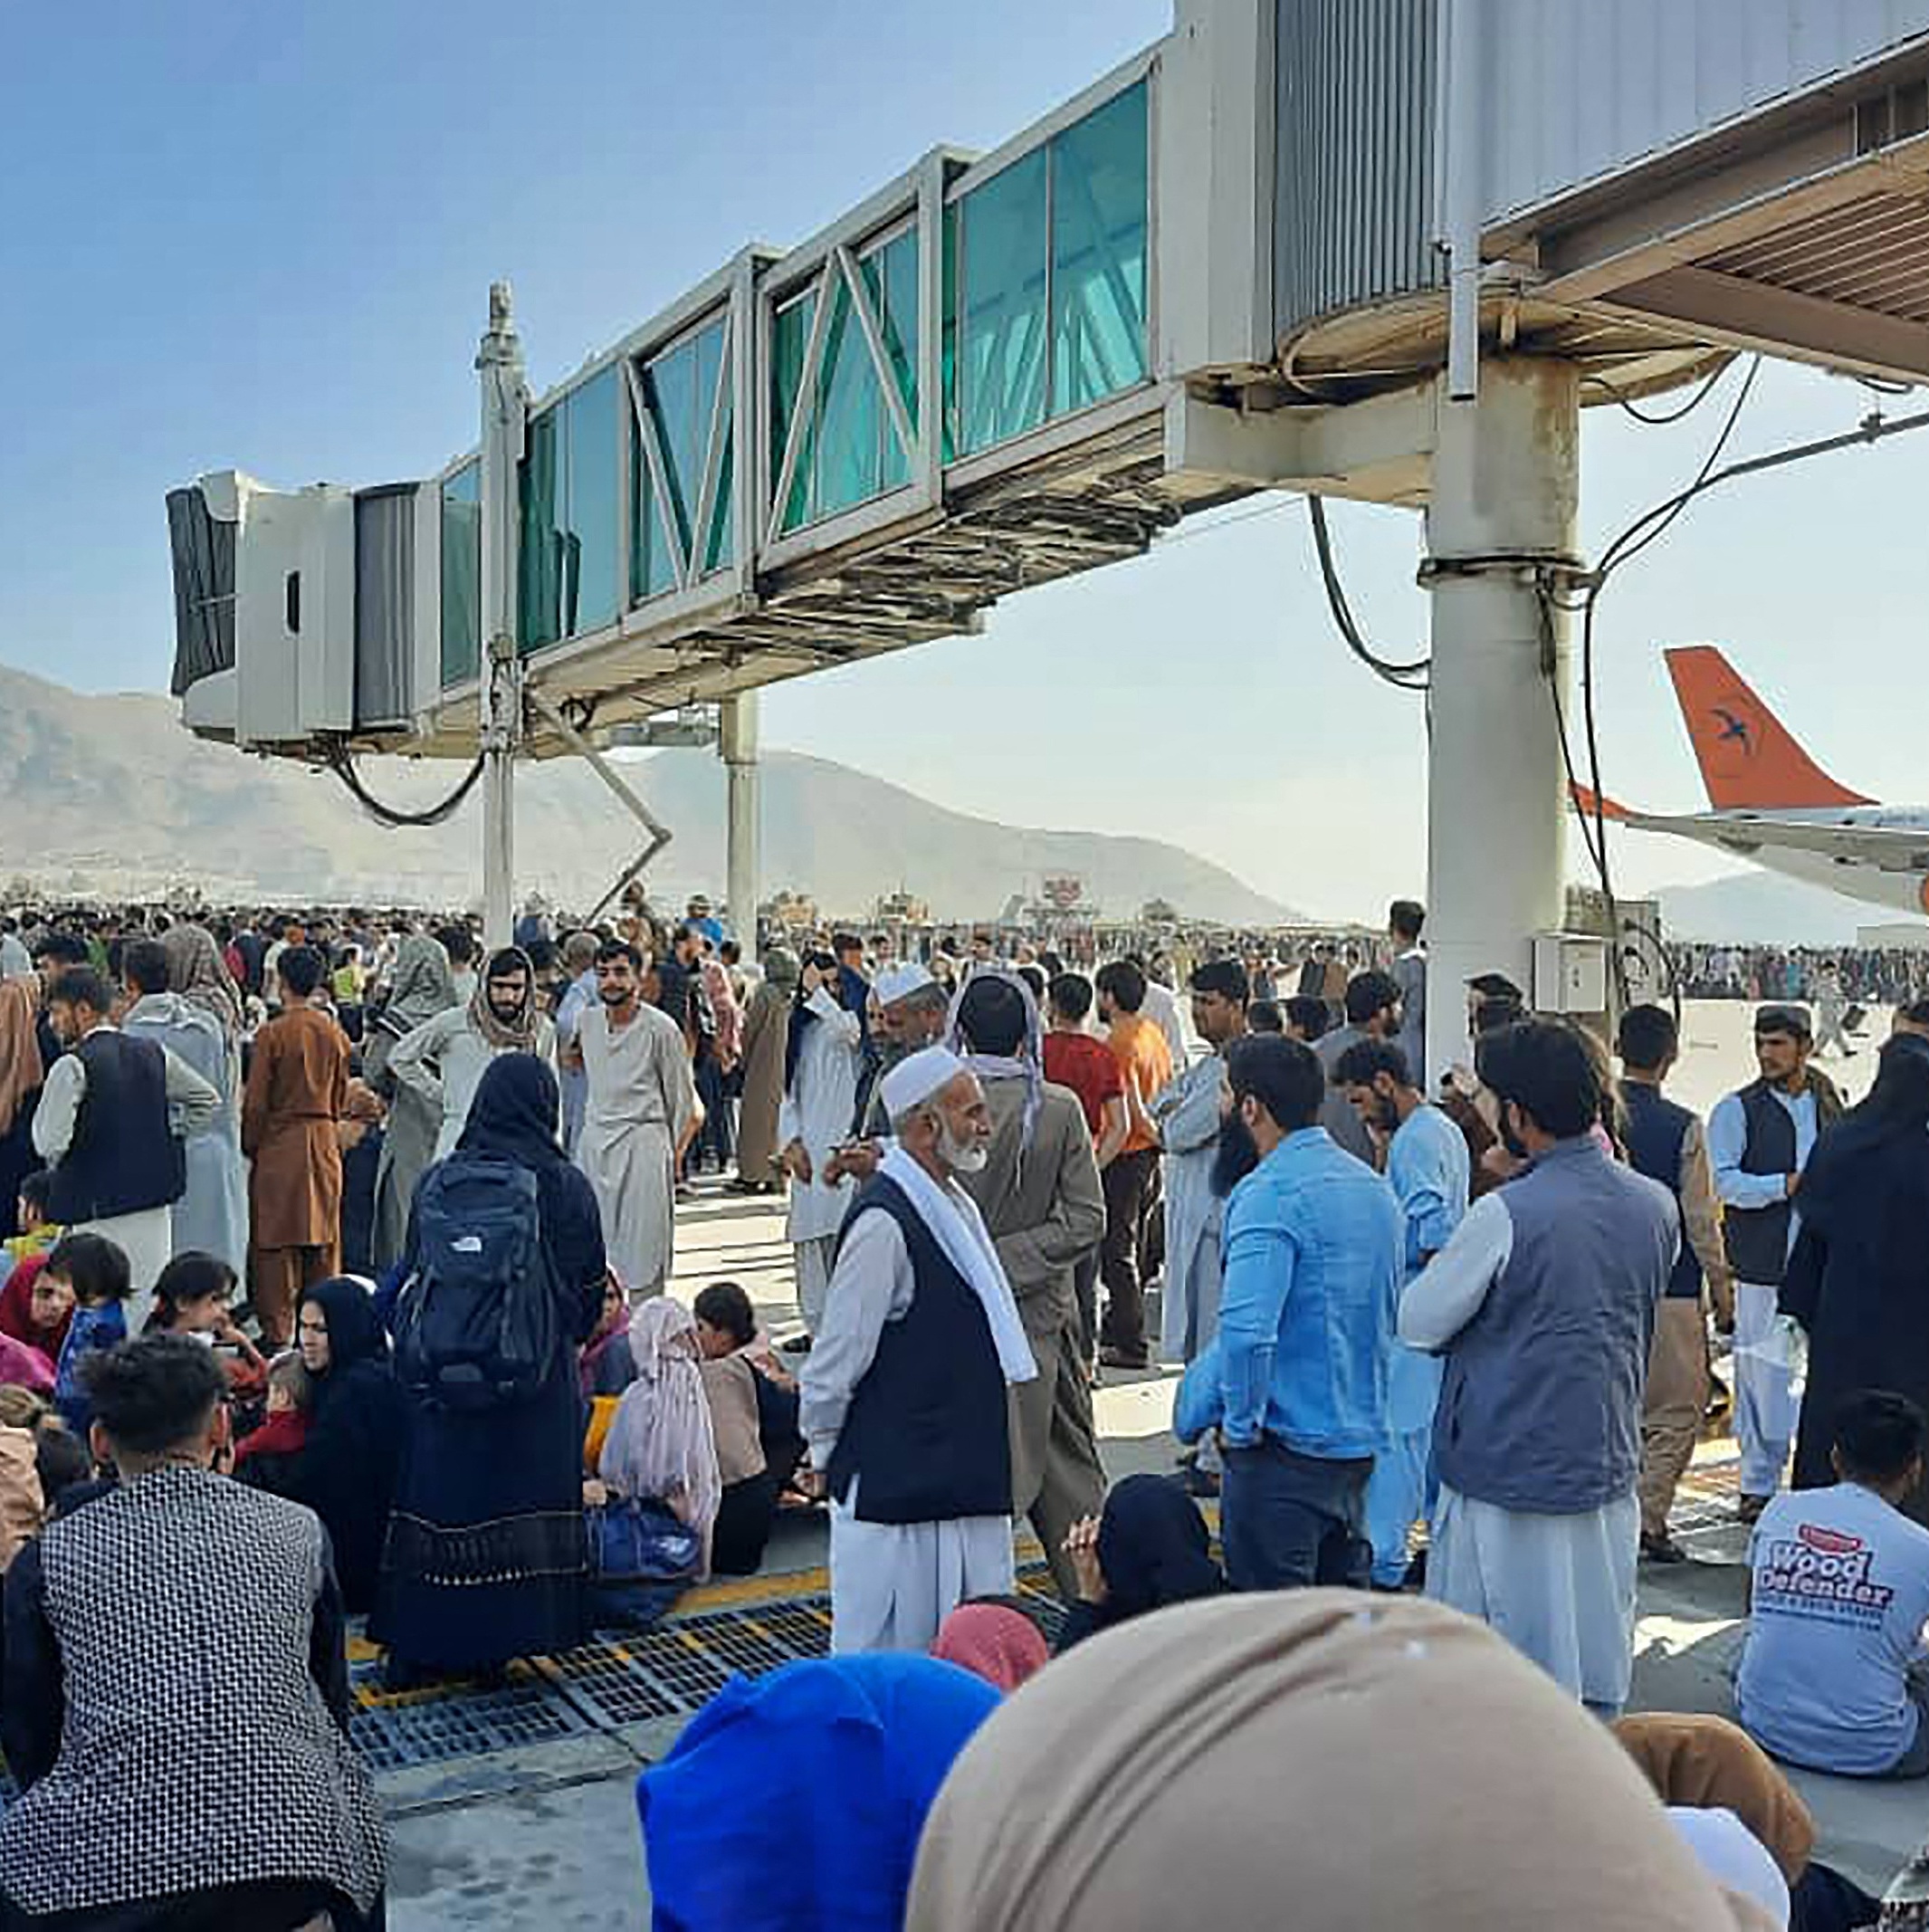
x,y
1542,1303
1760,1141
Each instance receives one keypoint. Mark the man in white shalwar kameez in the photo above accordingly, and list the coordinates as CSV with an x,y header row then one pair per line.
x,y
818,1114
1542,1303
905,1395
640,1112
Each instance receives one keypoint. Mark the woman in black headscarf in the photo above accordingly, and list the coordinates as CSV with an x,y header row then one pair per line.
x,y
1858,1279
346,1468
486,1557
1149,1549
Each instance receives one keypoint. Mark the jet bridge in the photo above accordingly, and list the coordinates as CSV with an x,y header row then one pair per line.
x,y
1377,248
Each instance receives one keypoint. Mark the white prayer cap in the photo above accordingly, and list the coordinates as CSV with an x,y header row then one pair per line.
x,y
917,1076
899,982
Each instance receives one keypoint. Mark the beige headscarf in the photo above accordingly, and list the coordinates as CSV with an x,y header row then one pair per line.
x,y
1333,1762
21,1072
196,970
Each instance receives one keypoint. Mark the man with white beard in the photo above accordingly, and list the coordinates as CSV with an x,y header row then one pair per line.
x,y
905,1394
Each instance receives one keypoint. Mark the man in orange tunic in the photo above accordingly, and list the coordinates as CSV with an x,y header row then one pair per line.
x,y
297,1091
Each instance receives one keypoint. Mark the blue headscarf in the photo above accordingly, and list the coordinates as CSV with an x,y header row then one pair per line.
x,y
848,1752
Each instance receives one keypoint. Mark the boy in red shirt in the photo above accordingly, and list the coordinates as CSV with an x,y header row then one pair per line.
x,y
1081,1061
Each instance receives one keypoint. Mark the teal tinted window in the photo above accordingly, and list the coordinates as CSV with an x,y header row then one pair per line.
x,y
849,450
1046,280
461,574
850,413
543,536
686,393
1002,246
1099,202
789,343
590,516
890,277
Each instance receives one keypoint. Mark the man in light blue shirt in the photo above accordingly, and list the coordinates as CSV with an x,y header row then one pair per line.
x,y
1428,1169
1296,1378
1839,1595
1759,1141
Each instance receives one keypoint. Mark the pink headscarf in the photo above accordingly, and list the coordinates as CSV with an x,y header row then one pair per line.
x,y
994,1641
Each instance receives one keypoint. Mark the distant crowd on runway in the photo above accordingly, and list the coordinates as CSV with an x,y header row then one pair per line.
x,y
1890,976
334,1284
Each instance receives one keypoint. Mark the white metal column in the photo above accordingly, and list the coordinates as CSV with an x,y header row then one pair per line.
x,y
1505,488
505,413
738,743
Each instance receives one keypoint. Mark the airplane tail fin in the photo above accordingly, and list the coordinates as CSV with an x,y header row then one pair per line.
x,y
1748,759
1585,803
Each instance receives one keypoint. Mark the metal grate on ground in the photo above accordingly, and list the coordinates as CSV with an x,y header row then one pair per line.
x,y
445,1723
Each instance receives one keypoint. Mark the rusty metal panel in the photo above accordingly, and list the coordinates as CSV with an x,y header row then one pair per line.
x,y
1575,93
1355,156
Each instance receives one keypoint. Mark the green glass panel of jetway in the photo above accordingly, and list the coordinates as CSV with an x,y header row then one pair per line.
x,y
1099,207
789,344
591,432
1003,246
719,547
461,574
890,279
947,337
850,411
544,537
679,389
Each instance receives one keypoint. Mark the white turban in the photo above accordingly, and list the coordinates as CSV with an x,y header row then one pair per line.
x,y
899,982
917,1076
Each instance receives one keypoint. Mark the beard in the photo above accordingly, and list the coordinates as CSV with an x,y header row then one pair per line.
x,y
1510,1139
962,1157
616,995
1236,1156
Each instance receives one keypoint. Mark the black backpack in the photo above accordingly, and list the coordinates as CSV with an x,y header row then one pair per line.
x,y
475,1326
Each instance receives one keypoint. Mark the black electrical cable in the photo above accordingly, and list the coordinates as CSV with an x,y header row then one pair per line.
x,y
1660,418
343,766
1408,676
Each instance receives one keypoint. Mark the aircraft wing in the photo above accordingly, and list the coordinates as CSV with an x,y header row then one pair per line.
x,y
1882,848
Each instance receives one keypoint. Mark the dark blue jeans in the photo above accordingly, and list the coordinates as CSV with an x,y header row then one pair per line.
x,y
1288,1520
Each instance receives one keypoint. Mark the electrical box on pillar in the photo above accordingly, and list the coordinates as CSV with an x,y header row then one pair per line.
x,y
1569,974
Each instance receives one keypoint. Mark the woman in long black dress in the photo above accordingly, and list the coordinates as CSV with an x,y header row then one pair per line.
x,y
486,1556
1859,1280
347,1467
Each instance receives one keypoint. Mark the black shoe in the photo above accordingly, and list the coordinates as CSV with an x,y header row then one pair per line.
x,y
1662,1549
1124,1358
1196,1481
795,1345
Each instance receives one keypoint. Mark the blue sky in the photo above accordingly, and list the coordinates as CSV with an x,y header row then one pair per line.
x,y
260,235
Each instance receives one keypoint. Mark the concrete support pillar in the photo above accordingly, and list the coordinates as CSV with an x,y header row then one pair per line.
x,y
1502,512
505,411
737,741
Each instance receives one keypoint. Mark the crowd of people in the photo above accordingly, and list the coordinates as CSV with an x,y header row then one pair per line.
x,y
334,1286
1892,976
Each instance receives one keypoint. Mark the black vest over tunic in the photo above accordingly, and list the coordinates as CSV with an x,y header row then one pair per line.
x,y
124,1156
926,1437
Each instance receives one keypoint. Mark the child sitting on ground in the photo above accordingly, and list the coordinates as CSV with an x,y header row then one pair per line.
x,y
268,1459
22,1261
37,1234
192,1298
95,1269
1840,1596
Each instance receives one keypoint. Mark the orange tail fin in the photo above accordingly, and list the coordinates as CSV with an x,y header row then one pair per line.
x,y
1748,759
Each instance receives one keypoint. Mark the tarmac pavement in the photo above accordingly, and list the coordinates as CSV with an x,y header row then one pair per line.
x,y
542,1836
